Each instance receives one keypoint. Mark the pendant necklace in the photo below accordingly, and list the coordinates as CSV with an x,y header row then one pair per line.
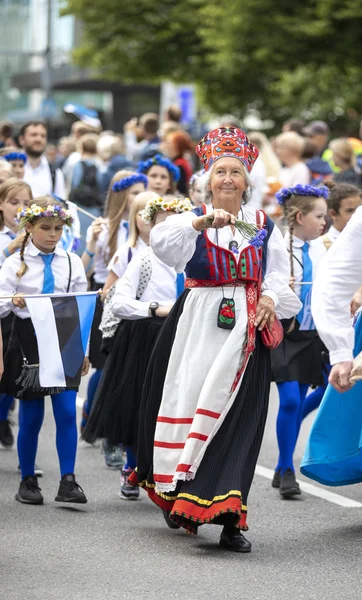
x,y
226,312
233,245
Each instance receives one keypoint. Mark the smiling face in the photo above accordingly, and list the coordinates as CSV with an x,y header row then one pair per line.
x,y
46,233
9,208
227,184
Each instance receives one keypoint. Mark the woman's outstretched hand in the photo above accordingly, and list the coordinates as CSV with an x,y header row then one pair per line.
x,y
221,218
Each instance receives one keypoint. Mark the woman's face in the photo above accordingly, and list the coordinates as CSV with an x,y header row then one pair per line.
x,y
18,168
228,184
159,180
313,223
133,191
168,148
11,205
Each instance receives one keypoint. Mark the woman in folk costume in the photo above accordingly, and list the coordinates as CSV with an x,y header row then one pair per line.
x,y
207,386
334,451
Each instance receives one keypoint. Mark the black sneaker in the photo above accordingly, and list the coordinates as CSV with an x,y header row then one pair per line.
x,y
128,491
70,491
276,479
289,487
234,540
29,491
6,434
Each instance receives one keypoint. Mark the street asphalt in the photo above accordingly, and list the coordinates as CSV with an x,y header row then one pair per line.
x,y
308,548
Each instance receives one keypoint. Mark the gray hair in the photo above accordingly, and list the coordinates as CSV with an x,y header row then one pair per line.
x,y
206,191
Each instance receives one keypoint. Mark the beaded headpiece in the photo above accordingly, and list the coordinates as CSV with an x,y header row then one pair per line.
x,y
129,181
52,211
161,161
176,205
224,142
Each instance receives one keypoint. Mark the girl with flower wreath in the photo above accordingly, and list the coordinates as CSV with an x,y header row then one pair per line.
x,y
14,195
163,176
41,267
104,237
206,391
143,297
298,362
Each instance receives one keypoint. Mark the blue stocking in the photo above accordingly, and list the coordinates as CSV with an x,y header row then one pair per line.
x,y
131,459
288,421
5,402
65,415
92,388
314,399
31,417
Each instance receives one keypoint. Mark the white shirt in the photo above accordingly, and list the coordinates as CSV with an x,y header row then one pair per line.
x,y
102,257
120,260
161,288
40,180
298,173
32,281
174,242
316,252
334,288
6,236
258,177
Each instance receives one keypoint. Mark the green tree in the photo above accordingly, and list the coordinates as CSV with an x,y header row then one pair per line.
x,y
277,56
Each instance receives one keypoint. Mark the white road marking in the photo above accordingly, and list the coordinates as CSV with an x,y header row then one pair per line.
x,y
314,490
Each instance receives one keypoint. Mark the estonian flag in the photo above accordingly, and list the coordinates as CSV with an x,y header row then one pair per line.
x,y
62,326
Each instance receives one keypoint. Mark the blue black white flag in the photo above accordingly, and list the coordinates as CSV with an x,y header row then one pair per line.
x,y
62,326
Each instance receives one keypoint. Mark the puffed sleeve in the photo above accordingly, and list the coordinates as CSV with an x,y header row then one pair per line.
x,y
124,304
337,280
174,240
8,280
276,280
79,278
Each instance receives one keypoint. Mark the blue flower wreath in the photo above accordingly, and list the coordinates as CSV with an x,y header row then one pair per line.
x,y
129,181
161,161
15,156
301,190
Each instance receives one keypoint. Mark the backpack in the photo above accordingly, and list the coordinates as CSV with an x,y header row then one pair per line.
x,y
87,193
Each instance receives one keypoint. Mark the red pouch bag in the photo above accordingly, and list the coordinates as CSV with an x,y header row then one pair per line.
x,y
271,338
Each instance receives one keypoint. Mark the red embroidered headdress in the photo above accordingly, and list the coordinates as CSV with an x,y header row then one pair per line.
x,y
226,141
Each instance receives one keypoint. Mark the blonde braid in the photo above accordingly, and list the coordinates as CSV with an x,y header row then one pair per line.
x,y
23,266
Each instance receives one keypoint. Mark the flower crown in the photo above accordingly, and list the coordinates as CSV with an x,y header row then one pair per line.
x,y
129,181
175,205
161,161
301,190
15,156
52,211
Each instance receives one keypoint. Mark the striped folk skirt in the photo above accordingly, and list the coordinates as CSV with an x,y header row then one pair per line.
x,y
219,491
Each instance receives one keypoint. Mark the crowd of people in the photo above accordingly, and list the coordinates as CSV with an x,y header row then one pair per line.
x,y
204,257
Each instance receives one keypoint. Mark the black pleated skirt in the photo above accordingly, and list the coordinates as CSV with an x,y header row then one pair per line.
x,y
115,409
299,358
22,343
219,492
97,358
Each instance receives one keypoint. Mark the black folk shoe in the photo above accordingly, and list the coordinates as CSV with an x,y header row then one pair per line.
x,y
170,523
289,487
70,491
233,539
29,491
